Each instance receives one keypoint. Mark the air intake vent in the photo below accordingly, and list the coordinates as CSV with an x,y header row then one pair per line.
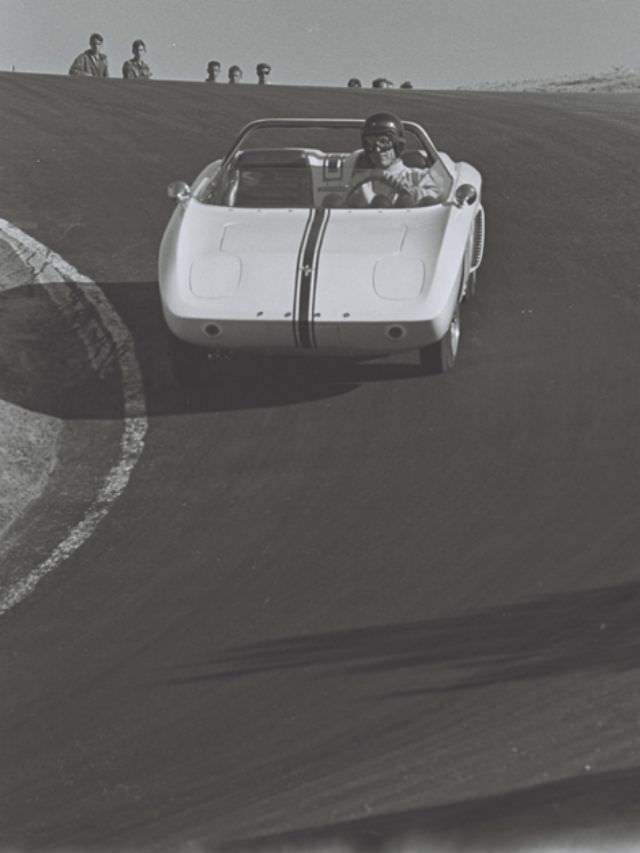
x,y
478,240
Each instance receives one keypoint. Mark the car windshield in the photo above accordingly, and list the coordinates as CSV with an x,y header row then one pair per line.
x,y
302,164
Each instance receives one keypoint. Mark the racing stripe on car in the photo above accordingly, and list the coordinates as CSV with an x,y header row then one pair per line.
x,y
316,264
307,277
299,266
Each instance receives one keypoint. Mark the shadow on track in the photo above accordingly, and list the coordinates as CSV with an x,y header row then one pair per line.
x,y
588,812
45,367
548,637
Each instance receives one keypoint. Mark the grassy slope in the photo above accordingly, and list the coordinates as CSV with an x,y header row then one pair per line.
x,y
616,80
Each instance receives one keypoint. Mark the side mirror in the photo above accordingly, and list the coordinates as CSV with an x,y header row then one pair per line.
x,y
179,190
465,194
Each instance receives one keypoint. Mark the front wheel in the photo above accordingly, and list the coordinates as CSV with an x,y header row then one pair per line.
x,y
441,356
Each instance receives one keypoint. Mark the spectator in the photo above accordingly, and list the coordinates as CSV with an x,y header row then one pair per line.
x,y
263,69
235,74
91,63
136,68
354,83
406,85
378,83
213,71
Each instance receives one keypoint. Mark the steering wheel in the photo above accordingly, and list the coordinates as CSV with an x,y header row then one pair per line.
x,y
383,179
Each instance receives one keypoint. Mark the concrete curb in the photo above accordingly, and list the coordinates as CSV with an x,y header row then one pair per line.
x,y
28,440
105,338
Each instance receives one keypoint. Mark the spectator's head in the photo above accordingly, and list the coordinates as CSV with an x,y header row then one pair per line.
x,y
354,83
378,83
383,139
213,70
235,74
138,48
95,43
263,69
406,85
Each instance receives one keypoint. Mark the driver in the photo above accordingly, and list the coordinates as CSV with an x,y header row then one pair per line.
x,y
380,178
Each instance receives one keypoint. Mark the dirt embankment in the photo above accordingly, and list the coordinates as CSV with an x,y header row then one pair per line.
x,y
615,80
28,439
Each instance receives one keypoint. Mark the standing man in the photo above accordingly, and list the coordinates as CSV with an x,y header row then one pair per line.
x,y
91,63
263,69
213,71
136,68
235,74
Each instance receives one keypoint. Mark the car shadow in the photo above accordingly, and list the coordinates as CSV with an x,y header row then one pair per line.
x,y
45,367
238,383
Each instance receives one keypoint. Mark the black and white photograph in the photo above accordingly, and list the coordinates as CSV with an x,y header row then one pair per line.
x,y
319,426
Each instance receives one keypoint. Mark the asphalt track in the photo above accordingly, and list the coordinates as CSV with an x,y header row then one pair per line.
x,y
346,607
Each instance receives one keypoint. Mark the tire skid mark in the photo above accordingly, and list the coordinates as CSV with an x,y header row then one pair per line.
x,y
105,337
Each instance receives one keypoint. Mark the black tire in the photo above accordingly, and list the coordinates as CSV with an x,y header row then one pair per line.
x,y
441,357
471,286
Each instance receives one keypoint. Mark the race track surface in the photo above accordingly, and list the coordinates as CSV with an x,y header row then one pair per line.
x,y
344,606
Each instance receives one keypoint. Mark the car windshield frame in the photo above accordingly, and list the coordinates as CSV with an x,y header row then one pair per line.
x,y
441,170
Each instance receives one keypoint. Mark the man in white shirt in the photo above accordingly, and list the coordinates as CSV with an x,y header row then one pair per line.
x,y
91,63
380,177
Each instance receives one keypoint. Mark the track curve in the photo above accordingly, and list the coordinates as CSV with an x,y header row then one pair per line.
x,y
355,603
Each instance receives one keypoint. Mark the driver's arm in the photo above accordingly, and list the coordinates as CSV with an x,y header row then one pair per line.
x,y
415,186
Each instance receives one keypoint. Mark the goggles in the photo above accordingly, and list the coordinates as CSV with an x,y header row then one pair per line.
x,y
380,142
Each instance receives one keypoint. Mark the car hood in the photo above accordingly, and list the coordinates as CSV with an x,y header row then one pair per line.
x,y
348,260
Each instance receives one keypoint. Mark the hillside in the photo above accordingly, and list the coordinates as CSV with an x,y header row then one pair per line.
x,y
616,80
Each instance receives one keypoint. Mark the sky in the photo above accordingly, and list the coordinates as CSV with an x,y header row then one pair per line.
x,y
437,44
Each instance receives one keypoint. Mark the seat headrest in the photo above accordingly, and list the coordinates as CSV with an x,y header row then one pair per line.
x,y
416,159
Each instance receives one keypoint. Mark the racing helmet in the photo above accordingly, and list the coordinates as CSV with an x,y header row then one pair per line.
x,y
385,124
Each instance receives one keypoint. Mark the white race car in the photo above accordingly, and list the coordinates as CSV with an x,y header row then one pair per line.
x,y
266,252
